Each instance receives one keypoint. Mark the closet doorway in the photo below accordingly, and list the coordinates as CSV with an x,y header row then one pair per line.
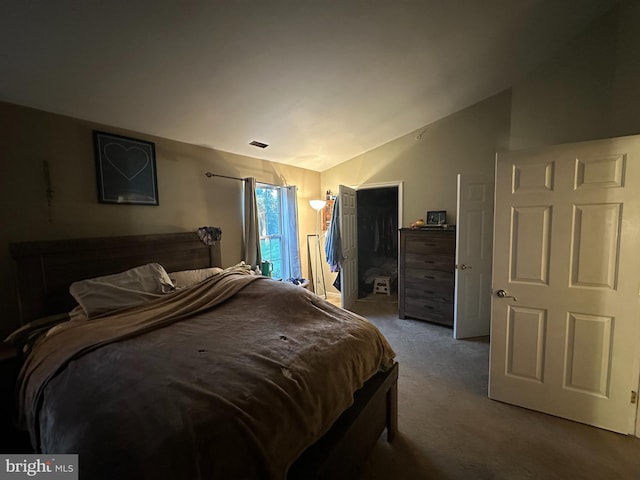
x,y
378,219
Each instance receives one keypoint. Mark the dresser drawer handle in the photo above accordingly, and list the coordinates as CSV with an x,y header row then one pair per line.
x,y
429,244
430,292
430,277
428,307
429,261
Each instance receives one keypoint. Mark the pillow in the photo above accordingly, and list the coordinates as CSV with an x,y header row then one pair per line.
x,y
126,289
186,278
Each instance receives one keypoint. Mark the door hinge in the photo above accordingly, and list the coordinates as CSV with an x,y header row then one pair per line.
x,y
634,396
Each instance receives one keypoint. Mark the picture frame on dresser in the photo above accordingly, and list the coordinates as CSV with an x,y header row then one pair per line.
x,y
436,217
125,170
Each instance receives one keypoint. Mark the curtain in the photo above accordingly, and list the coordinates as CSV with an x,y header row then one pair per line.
x,y
290,232
251,231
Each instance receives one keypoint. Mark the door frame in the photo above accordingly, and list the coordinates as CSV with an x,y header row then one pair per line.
x,y
391,184
637,431
399,184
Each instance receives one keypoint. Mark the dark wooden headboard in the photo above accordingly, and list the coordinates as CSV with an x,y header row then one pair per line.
x,y
44,270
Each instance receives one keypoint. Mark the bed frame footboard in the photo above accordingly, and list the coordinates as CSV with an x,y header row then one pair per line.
x,y
341,451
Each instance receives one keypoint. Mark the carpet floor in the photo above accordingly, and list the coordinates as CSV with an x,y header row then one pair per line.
x,y
449,429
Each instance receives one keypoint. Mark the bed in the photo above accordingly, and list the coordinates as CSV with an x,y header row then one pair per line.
x,y
160,388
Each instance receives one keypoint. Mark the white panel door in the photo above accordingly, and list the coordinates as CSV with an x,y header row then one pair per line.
x,y
474,245
349,241
566,247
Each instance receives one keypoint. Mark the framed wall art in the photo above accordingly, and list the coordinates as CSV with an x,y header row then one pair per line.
x,y
125,170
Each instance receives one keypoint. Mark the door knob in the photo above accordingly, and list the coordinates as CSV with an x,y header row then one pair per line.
x,y
504,294
463,267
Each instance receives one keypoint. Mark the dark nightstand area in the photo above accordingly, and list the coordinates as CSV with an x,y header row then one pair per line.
x,y
12,440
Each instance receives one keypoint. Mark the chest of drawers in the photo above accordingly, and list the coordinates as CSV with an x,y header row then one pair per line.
x,y
427,275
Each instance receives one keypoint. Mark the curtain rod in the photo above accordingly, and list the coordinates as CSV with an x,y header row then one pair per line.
x,y
209,175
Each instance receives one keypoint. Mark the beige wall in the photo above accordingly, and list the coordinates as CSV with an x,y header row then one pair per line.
x,y
429,159
188,199
588,90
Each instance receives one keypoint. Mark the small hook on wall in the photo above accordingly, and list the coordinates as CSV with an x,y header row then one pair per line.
x,y
48,189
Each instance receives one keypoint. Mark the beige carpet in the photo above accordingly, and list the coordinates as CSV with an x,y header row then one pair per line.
x,y
450,429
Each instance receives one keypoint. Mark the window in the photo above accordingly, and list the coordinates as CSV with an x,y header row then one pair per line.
x,y
270,220
278,225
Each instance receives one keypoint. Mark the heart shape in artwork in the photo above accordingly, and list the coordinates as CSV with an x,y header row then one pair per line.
x,y
129,162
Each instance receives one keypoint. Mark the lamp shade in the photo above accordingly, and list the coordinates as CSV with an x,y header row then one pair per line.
x,y
317,204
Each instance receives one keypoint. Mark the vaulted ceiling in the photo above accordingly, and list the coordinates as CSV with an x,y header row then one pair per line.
x,y
318,81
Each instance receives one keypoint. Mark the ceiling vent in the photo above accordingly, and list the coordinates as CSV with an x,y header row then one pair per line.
x,y
255,143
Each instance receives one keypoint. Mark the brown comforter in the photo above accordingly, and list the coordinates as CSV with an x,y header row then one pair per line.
x,y
232,378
